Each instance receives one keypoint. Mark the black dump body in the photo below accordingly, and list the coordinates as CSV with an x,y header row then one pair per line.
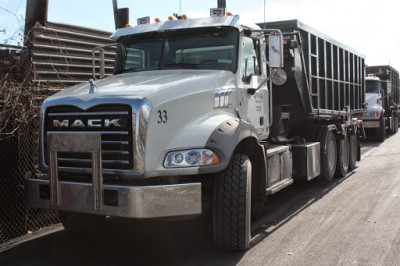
x,y
386,74
324,76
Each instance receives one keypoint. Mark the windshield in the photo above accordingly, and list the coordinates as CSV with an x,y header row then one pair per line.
x,y
204,48
372,86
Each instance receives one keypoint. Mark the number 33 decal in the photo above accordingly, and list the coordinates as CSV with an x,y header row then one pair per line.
x,y
162,116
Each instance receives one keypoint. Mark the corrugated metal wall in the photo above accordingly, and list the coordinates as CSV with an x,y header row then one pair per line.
x,y
62,54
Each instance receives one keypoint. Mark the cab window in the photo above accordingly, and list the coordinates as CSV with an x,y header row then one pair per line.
x,y
250,64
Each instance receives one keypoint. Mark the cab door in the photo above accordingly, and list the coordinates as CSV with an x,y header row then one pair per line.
x,y
253,105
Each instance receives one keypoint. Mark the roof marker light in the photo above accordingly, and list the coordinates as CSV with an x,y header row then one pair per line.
x,y
184,16
229,14
144,20
157,20
170,18
217,12
127,25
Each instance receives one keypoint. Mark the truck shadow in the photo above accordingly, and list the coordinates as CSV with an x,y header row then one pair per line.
x,y
282,207
124,241
373,142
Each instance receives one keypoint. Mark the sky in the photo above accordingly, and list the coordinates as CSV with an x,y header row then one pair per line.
x,y
370,27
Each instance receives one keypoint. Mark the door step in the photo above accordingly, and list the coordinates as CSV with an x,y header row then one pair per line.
x,y
280,185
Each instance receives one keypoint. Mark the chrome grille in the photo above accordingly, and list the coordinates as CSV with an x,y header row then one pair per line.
x,y
117,147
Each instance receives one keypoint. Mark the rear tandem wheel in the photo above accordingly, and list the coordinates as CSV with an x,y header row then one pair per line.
x,y
342,163
328,156
352,151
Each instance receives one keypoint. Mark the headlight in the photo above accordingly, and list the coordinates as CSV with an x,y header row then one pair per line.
x,y
376,114
189,158
372,114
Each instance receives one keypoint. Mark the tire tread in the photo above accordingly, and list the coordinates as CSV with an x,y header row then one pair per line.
x,y
230,206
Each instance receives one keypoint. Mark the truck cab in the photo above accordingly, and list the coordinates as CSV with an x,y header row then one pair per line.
x,y
374,116
148,142
382,99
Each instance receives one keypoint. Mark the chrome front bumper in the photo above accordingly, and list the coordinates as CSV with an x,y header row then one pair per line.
x,y
371,124
122,201
99,198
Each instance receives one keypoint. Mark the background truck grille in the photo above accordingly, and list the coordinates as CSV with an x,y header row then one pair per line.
x,y
116,138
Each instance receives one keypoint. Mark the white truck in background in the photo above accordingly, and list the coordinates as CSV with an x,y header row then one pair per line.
x,y
382,101
201,112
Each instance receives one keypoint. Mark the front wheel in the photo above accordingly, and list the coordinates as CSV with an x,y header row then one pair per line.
x,y
232,205
381,131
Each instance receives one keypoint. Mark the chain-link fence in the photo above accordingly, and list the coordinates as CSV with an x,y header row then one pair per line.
x,y
19,123
18,155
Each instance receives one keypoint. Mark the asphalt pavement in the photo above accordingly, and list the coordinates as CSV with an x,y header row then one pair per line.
x,y
349,221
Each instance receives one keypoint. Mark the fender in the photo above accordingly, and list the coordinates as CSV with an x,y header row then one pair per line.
x,y
220,132
195,134
226,137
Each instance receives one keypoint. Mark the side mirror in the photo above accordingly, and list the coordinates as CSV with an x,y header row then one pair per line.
x,y
279,77
102,65
275,51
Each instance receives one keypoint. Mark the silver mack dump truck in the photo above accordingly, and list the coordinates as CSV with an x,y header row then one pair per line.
x,y
191,122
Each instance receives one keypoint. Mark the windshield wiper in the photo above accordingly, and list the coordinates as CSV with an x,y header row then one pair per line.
x,y
133,69
185,65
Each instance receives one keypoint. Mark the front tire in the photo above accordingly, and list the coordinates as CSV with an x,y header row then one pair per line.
x,y
381,131
232,205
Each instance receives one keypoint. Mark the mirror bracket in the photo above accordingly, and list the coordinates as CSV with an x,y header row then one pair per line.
x,y
251,91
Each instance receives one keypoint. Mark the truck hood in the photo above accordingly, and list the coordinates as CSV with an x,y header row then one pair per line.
x,y
371,98
155,86
372,107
